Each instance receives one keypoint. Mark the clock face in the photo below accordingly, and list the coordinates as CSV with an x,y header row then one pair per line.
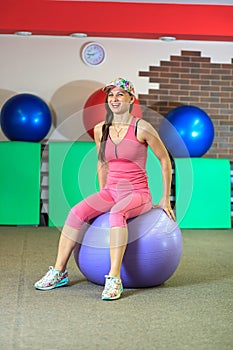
x,y
93,54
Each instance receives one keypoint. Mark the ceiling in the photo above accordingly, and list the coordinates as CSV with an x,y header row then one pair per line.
x,y
185,20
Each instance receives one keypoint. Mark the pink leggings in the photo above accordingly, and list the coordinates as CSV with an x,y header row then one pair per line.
x,y
122,205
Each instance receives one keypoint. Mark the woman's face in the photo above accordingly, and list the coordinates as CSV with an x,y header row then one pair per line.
x,y
119,100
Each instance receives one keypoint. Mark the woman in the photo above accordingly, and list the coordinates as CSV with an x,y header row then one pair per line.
x,y
121,142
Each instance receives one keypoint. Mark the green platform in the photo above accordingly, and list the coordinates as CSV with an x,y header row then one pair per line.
x,y
203,187
73,176
203,193
20,183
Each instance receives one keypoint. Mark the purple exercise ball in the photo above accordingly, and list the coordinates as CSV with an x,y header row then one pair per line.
x,y
152,255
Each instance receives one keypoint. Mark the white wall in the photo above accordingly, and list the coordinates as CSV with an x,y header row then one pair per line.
x,y
51,67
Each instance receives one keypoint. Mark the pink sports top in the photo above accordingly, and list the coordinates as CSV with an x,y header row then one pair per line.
x,y
127,161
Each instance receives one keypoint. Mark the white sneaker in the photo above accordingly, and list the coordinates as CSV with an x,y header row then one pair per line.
x,y
52,279
113,288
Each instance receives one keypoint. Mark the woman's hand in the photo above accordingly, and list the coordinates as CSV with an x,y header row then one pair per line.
x,y
166,206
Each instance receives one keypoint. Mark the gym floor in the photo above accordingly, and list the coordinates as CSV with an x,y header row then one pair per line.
x,y
192,310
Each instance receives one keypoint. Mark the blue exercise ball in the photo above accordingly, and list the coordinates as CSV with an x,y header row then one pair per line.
x,y
25,117
152,255
187,131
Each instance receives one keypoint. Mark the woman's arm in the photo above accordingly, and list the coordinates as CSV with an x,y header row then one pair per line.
x,y
102,167
146,133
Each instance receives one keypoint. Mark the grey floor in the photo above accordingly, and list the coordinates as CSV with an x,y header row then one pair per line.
x,y
192,310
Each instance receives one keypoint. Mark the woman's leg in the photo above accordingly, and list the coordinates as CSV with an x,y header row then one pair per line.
x,y
128,206
118,243
70,237
73,232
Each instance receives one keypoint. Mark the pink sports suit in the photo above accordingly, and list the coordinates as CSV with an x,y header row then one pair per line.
x,y
126,193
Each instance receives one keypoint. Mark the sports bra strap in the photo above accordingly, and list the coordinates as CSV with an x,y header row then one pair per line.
x,y
136,127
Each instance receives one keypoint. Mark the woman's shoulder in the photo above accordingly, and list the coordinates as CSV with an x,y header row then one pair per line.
x,y
98,130
98,127
143,124
145,128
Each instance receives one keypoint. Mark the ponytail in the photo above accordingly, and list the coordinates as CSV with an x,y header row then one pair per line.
x,y
105,131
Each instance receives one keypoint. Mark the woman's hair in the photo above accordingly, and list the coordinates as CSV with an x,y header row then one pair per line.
x,y
105,129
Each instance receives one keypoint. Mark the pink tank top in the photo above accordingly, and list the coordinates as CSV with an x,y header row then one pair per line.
x,y
127,161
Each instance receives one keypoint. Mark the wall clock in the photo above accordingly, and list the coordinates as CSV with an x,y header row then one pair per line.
x,y
93,54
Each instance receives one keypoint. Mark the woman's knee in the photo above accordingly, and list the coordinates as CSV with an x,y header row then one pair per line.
x,y
117,219
73,219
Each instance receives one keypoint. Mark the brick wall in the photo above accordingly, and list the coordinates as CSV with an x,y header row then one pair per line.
x,y
190,79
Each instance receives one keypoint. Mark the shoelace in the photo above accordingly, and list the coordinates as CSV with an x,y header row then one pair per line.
x,y
49,273
111,284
